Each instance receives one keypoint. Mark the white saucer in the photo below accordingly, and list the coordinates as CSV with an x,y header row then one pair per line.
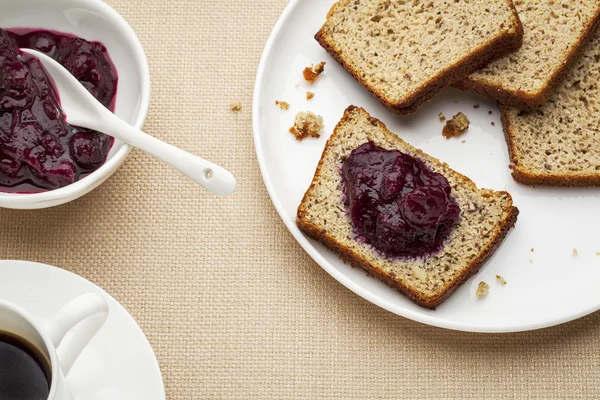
x,y
118,364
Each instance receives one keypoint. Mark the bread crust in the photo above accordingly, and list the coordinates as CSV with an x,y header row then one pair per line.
x,y
495,49
529,178
356,260
528,100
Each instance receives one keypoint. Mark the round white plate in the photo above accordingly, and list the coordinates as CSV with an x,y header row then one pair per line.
x,y
546,286
118,364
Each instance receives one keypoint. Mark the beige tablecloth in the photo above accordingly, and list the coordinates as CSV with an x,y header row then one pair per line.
x,y
232,305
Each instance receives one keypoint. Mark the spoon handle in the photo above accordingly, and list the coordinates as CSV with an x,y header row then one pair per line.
x,y
209,175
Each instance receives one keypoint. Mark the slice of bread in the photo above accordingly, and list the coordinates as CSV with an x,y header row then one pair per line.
x,y
405,51
486,217
558,144
555,33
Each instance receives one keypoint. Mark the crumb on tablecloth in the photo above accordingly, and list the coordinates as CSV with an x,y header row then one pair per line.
x,y
482,289
313,72
236,106
307,124
456,126
284,105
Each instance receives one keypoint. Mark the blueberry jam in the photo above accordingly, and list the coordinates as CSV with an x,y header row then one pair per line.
x,y
38,149
396,203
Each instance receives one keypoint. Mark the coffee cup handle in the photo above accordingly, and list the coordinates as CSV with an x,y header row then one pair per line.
x,y
78,311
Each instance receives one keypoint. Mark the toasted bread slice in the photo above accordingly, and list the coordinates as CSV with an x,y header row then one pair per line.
x,y
486,217
558,144
403,52
555,34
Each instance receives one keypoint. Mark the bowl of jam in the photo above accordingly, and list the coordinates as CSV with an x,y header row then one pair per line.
x,y
44,161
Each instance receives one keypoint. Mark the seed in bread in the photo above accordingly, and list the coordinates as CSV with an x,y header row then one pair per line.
x,y
555,32
486,217
307,124
558,144
405,51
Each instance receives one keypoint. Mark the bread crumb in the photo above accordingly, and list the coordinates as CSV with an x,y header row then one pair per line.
x,y
297,85
493,123
456,126
312,73
284,105
501,280
441,117
575,251
490,112
309,95
236,106
482,289
307,124
475,106
530,261
598,253
463,141
532,249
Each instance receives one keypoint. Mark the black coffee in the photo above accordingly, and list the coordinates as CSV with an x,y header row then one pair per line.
x,y
24,371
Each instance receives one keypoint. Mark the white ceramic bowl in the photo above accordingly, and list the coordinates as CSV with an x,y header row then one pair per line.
x,y
96,21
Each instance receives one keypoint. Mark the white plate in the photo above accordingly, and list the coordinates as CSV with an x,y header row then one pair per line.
x,y
93,20
545,287
118,364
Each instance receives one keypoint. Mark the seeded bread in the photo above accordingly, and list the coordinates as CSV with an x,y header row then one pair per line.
x,y
486,217
558,144
555,33
405,51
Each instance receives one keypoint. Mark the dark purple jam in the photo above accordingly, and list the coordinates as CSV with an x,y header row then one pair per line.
x,y
38,149
396,203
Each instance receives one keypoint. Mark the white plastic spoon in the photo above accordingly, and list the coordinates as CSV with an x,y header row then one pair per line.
x,y
83,110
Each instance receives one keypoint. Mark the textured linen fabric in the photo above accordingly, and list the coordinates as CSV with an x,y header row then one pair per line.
x,y
231,304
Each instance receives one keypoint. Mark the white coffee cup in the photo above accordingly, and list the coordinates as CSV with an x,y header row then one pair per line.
x,y
88,312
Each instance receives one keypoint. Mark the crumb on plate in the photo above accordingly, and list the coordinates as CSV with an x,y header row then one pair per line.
x,y
307,124
532,249
482,289
490,112
575,251
456,126
312,73
475,106
309,95
284,105
441,117
236,106
501,280
493,123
